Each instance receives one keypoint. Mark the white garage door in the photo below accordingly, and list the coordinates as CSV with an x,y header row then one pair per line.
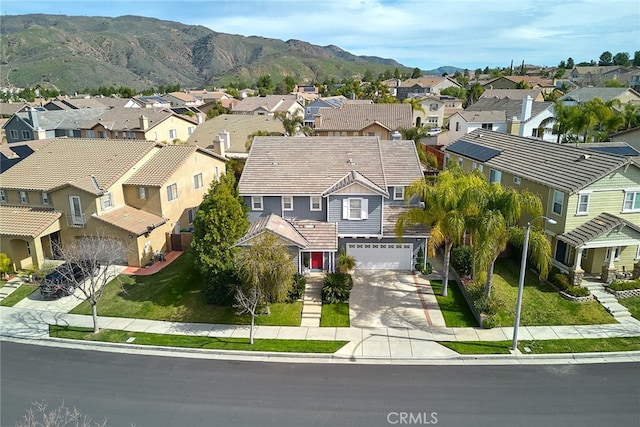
x,y
382,256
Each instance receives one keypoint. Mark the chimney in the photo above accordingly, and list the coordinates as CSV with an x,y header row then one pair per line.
x,y
527,104
513,126
144,122
396,136
224,140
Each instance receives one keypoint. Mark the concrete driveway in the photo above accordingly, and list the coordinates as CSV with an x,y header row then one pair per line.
x,y
386,298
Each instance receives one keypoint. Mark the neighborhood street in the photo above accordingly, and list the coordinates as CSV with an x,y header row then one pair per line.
x,y
138,390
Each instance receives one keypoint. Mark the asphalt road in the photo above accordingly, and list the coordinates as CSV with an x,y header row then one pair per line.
x,y
163,391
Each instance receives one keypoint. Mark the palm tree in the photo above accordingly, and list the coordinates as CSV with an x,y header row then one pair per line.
x,y
495,225
631,116
563,120
416,134
444,211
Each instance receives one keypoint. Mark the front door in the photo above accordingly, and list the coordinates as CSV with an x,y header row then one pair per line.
x,y
316,260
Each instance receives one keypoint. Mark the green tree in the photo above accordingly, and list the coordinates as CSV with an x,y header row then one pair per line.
x,y
622,59
416,134
570,64
368,76
631,116
268,266
291,124
216,110
446,209
6,266
605,58
396,73
265,85
220,221
475,92
636,58
522,84
457,92
416,73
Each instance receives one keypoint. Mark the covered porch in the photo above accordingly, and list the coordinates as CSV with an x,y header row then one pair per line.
x,y
606,247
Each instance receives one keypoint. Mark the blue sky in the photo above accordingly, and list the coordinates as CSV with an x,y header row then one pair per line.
x,y
417,33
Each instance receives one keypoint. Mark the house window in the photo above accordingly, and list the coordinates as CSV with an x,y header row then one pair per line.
x,y
487,126
197,181
3,196
172,192
432,119
583,204
631,201
287,203
256,203
173,134
91,134
143,193
24,197
106,201
216,174
316,204
616,254
638,253
495,176
28,248
433,107
558,201
13,134
44,197
460,162
474,166
191,214
457,126
26,134
481,167
355,209
517,180
446,160
398,193
102,134
190,130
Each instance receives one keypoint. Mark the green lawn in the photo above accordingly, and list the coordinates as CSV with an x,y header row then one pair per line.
x,y
174,294
454,307
633,305
188,341
18,295
335,315
586,345
541,303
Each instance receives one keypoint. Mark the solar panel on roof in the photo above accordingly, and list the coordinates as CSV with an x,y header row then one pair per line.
x,y
473,151
618,150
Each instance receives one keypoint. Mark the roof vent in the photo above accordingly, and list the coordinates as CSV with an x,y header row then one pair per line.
x,y
585,156
351,162
479,135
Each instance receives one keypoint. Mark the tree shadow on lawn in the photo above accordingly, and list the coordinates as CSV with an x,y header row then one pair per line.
x,y
509,270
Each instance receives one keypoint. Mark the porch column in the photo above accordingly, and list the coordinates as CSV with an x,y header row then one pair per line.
x,y
609,269
636,270
577,273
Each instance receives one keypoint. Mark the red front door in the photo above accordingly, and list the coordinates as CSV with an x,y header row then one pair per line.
x,y
316,260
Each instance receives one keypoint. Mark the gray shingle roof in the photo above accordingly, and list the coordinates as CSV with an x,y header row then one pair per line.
x,y
77,162
561,166
276,225
62,119
355,177
585,94
483,116
595,228
511,93
311,165
270,103
354,117
512,107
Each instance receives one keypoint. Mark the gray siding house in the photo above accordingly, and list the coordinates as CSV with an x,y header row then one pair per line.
x,y
321,194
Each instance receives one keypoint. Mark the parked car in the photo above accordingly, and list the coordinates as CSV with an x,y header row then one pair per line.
x,y
62,281
434,131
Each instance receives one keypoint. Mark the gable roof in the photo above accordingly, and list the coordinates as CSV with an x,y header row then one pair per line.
x,y
121,118
269,103
606,94
355,117
311,165
594,228
561,166
132,220
11,154
355,177
92,165
483,116
511,93
60,119
276,225
25,220
512,107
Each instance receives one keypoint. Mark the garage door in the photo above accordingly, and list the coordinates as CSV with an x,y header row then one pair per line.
x,y
382,256
105,250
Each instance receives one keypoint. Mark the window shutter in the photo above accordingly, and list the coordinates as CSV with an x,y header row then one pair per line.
x,y
365,209
345,209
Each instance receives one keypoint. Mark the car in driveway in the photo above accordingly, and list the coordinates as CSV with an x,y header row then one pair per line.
x,y
434,131
63,280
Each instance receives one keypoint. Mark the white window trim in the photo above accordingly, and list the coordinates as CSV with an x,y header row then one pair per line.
x,y
259,201
497,173
287,200
346,209
191,213
638,252
395,194
319,200
553,203
637,194
197,181
3,196
13,134
25,199
106,201
171,194
143,193
517,180
615,249
586,211
44,198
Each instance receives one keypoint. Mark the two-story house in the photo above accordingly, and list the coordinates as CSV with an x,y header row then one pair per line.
x,y
381,120
623,95
313,107
137,192
38,123
426,85
269,105
320,194
593,196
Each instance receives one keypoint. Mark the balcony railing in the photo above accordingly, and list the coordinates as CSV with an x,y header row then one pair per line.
x,y
75,220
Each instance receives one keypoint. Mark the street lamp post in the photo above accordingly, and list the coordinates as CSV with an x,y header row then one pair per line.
x,y
523,268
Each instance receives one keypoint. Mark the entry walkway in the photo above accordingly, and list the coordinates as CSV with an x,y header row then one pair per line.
x,y
312,301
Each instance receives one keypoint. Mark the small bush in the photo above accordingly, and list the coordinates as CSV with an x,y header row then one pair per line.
x,y
5,264
577,291
428,268
489,322
219,290
297,290
345,262
419,259
46,268
462,260
561,280
336,287
619,285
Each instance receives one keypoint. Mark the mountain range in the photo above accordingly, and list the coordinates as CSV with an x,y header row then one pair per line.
x,y
71,53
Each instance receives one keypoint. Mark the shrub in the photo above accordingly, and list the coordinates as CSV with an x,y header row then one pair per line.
x,y
619,285
297,290
561,280
336,287
345,262
577,291
219,290
428,268
419,259
462,260
5,264
46,268
489,322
